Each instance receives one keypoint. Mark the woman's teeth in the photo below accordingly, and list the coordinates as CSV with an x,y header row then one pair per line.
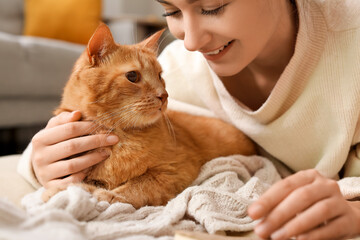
x,y
219,50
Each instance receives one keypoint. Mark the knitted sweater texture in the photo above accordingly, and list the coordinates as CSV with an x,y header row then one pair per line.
x,y
311,118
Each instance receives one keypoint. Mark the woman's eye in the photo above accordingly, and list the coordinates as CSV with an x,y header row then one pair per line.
x,y
213,11
133,76
203,11
168,14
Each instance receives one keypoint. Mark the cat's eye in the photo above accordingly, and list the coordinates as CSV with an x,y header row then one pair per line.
x,y
133,76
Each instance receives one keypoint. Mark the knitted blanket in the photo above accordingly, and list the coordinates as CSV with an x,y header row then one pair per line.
x,y
216,201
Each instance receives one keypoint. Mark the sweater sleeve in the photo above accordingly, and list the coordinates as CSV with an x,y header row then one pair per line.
x,y
350,184
180,69
25,168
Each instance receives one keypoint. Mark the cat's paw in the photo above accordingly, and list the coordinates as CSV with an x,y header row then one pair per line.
x,y
52,191
105,195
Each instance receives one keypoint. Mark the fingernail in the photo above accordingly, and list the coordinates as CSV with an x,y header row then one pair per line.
x,y
260,229
73,113
104,153
112,139
256,210
279,234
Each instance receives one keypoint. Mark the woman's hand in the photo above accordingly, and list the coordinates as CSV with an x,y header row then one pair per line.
x,y
63,137
305,205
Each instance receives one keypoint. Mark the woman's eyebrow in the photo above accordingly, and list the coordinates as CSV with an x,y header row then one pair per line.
x,y
165,2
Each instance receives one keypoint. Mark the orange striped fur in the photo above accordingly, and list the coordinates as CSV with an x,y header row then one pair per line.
x,y
161,151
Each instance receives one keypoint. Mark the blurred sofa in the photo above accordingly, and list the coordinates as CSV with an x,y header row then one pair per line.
x,y
34,70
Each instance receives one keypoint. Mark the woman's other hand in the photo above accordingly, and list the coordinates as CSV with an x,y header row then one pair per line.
x,y
64,137
305,205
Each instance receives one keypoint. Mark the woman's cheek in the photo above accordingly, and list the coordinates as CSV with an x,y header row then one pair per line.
x,y
176,29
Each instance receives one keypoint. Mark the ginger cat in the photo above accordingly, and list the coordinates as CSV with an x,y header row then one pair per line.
x,y
161,151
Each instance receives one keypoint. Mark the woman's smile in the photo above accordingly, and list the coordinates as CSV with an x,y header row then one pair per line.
x,y
212,26
218,53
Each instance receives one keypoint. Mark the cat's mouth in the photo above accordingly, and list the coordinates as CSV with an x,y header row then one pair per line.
x,y
163,107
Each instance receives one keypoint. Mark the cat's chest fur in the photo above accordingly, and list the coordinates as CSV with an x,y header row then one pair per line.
x,y
136,153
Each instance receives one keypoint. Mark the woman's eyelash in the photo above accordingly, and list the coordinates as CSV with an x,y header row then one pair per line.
x,y
203,11
168,14
212,11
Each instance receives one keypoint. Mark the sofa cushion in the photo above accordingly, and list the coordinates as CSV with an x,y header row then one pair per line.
x,y
68,20
32,66
27,111
11,16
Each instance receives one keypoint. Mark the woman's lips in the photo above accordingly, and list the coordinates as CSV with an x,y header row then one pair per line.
x,y
218,53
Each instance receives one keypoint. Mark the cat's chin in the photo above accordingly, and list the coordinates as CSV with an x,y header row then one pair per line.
x,y
145,121
153,118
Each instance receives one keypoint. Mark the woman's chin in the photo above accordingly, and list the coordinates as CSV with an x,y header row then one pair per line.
x,y
223,70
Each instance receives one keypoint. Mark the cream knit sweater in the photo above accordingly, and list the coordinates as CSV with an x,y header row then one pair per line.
x,y
311,118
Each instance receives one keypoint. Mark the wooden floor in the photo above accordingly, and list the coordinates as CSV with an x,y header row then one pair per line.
x,y
184,235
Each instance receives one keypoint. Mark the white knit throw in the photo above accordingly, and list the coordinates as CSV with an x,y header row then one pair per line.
x,y
216,201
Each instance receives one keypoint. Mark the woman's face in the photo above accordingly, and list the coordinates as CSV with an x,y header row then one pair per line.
x,y
231,34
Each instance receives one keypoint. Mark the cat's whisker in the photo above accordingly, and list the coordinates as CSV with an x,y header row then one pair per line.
x,y
138,118
109,115
122,113
124,118
165,36
170,127
94,102
96,128
99,121
161,41
120,121
128,120
93,128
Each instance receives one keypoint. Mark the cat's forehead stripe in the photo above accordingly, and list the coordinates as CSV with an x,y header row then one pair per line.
x,y
127,67
147,61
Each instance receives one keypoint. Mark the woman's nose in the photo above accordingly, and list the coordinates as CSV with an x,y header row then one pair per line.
x,y
194,34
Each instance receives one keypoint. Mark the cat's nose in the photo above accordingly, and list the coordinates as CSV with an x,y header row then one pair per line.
x,y
163,96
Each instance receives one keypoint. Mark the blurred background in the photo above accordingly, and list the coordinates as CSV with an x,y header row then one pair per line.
x,y
39,43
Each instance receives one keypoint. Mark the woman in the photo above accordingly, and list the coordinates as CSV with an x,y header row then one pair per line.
x,y
287,74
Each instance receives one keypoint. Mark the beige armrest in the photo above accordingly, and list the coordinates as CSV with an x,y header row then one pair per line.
x,y
12,185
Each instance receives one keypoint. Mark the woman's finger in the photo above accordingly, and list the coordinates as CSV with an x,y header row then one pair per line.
x,y
311,218
78,145
335,229
63,132
62,118
295,203
279,191
73,178
63,168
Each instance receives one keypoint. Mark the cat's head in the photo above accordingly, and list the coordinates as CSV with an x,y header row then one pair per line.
x,y
117,84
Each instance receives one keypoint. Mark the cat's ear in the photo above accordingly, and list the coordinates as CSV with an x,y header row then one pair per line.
x,y
152,41
100,44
